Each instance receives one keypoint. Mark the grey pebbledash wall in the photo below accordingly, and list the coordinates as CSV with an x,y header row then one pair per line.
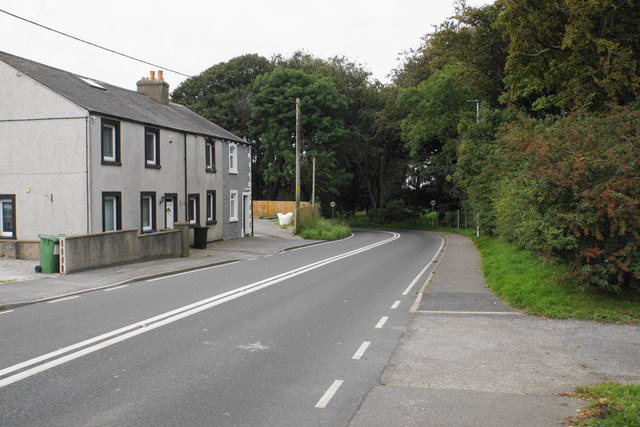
x,y
241,182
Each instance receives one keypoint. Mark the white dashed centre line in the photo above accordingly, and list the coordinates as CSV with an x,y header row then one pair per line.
x,y
63,299
324,401
395,305
365,345
5,312
382,322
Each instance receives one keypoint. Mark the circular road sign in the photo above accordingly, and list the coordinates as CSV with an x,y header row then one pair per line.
x,y
433,203
332,204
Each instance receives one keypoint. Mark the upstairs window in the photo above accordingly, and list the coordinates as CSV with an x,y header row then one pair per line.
x,y
233,158
151,148
147,211
7,216
210,155
110,142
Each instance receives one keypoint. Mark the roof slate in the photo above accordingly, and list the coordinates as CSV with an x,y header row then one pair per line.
x,y
118,102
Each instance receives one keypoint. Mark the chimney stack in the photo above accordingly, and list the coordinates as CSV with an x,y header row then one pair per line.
x,y
158,90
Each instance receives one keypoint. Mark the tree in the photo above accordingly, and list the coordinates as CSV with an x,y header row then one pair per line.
x,y
273,122
220,92
430,131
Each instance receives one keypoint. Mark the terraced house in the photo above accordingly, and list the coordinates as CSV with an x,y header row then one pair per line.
x,y
80,156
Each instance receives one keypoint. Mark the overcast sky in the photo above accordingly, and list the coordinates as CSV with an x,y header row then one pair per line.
x,y
190,36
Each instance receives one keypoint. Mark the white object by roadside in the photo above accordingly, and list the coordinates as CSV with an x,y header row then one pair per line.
x,y
285,219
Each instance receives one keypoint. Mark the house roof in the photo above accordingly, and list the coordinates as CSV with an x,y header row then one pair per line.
x,y
117,102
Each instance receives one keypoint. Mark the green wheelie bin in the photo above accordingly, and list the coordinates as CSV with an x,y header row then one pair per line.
x,y
49,254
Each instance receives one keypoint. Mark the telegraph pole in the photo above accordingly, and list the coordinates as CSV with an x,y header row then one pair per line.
x,y
297,165
313,185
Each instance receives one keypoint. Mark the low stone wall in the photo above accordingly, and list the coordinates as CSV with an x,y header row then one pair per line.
x,y
20,249
86,251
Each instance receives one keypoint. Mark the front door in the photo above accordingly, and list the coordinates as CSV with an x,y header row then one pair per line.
x,y
169,210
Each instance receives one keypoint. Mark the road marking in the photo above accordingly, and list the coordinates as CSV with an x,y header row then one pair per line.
x,y
469,312
426,267
365,345
6,311
110,338
382,322
63,299
117,287
395,305
324,401
252,259
192,271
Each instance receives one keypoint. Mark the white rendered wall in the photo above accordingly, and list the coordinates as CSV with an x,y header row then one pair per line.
x,y
42,157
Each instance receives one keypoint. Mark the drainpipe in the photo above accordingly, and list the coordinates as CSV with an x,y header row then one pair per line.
x,y
186,188
87,172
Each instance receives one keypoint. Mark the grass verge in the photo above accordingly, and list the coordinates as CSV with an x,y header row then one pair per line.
x,y
323,229
614,404
547,289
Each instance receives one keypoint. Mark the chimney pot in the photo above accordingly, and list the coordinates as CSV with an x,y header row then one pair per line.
x,y
160,72
152,75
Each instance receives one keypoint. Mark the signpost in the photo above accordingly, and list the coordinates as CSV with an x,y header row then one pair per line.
x,y
433,217
333,205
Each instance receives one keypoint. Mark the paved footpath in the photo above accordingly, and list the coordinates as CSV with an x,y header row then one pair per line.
x,y
469,360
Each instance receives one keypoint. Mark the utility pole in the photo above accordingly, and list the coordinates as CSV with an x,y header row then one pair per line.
x,y
313,186
297,165
477,101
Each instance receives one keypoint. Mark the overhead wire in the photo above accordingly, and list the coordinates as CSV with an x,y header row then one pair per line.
x,y
138,59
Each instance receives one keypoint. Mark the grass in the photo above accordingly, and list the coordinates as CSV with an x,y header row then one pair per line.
x,y
547,289
323,229
614,404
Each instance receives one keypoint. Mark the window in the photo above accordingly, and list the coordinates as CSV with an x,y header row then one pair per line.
x,y
210,155
233,158
151,148
233,205
111,211
147,211
194,209
211,207
7,216
110,141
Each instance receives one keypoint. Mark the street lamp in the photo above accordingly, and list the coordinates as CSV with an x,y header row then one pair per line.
x,y
477,101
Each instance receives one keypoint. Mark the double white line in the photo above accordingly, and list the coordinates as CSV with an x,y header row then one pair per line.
x,y
91,345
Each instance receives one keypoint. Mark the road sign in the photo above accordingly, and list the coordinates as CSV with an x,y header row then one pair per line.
x,y
433,203
332,204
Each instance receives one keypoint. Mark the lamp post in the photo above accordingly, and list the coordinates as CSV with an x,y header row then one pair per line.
x,y
477,101
297,165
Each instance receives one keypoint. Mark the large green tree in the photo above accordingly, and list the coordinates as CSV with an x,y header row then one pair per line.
x,y
322,131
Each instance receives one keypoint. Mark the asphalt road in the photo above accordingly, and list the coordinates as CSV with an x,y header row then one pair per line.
x,y
297,338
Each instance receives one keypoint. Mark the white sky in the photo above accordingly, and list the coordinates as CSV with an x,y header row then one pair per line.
x,y
190,36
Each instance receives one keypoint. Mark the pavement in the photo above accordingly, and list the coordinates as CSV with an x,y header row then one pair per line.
x,y
465,359
21,285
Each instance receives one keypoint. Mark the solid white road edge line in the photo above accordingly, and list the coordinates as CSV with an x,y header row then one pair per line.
x,y
117,287
423,290
164,319
324,401
6,311
192,271
365,345
63,299
382,322
395,305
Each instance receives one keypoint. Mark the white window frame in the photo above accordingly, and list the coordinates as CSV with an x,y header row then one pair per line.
x,y
155,147
233,158
195,200
149,200
116,211
210,155
233,206
211,207
112,129
7,234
